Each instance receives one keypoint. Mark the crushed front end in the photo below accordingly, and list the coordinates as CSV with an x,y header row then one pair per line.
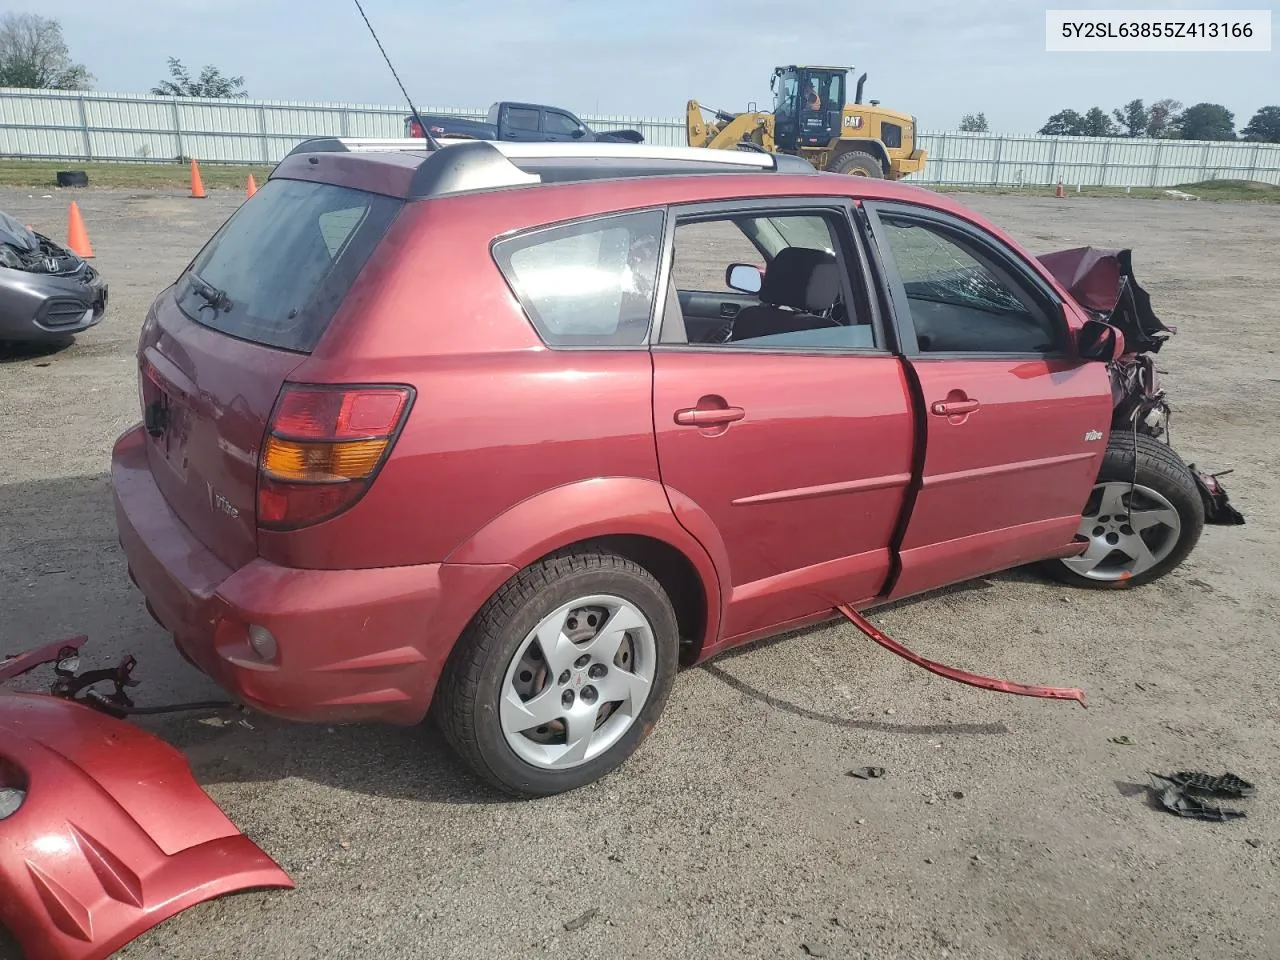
x,y
104,833
1103,283
46,291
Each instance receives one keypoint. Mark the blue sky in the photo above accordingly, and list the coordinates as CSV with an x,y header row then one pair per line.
x,y
937,59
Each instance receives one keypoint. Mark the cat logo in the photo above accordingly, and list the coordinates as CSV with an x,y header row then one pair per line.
x,y
853,123
1093,435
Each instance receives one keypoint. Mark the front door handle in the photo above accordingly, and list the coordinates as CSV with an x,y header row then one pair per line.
x,y
954,408
713,417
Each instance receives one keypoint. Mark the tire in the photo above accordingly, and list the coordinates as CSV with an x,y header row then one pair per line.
x,y
500,657
858,164
1162,492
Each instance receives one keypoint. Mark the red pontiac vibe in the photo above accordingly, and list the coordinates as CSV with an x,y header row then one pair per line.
x,y
504,432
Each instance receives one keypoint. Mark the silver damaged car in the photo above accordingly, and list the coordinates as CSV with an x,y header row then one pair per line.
x,y
47,293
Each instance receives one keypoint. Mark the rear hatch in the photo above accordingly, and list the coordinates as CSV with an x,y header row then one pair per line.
x,y
218,345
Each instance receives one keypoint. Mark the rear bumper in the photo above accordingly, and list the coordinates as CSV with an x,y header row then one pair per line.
x,y
37,306
912,164
366,644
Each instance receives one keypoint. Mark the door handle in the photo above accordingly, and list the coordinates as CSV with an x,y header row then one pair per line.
x,y
953,408
693,417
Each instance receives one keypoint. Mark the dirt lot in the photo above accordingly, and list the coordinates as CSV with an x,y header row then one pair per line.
x,y
1005,827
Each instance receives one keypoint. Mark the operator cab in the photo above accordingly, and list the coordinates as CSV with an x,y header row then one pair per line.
x,y
808,105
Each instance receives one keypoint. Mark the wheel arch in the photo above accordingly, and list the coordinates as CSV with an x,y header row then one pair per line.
x,y
868,145
629,516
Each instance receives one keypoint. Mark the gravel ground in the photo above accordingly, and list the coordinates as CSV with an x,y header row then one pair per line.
x,y
1004,827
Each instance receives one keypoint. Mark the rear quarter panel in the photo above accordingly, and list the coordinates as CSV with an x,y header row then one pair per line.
x,y
498,417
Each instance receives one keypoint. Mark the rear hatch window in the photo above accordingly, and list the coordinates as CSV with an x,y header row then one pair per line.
x,y
276,271
221,343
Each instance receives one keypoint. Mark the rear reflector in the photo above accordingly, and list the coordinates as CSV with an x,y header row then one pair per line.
x,y
324,447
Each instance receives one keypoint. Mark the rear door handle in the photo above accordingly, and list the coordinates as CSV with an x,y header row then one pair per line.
x,y
952,408
693,417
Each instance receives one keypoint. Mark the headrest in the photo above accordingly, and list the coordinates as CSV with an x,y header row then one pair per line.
x,y
803,279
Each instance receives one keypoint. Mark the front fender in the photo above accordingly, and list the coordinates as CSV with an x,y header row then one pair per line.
x,y
602,507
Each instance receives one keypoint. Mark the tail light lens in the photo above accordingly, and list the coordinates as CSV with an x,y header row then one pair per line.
x,y
415,129
324,446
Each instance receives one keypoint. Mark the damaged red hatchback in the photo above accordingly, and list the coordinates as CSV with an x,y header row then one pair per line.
x,y
505,431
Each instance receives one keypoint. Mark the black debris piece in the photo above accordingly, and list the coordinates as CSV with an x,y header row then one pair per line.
x,y
1182,794
1226,785
577,923
866,773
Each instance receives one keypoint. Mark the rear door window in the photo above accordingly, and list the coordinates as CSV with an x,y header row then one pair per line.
x,y
520,118
280,266
588,283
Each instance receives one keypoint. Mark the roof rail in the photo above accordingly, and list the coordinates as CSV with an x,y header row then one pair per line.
x,y
464,164
358,145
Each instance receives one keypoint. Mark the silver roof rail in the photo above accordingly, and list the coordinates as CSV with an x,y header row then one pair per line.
x,y
464,164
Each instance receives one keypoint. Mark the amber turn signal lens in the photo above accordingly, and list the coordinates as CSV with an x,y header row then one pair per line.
x,y
291,461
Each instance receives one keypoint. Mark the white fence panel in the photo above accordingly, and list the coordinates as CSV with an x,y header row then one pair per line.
x,y
61,125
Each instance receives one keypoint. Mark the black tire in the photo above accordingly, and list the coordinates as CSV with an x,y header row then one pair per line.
x,y
858,164
1161,470
466,705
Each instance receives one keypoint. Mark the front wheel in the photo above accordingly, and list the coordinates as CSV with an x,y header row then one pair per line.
x,y
1143,517
562,674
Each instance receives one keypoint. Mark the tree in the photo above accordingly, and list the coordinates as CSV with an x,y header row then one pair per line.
x,y
1264,127
974,123
1160,118
33,55
1134,117
1206,121
1064,123
1098,124
210,84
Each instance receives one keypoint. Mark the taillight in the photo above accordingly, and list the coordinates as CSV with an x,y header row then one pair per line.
x,y
324,446
415,129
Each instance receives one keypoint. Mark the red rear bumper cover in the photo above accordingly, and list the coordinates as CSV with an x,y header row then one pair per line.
x,y
360,644
113,837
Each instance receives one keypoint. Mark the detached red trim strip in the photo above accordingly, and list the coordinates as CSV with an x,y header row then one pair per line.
x,y
953,673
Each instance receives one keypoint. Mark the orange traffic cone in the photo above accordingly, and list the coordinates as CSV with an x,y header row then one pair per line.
x,y
197,185
1060,193
252,188
77,235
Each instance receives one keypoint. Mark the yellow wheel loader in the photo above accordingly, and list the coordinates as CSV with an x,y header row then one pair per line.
x,y
812,119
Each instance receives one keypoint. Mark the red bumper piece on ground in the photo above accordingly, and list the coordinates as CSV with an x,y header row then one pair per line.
x,y
104,833
954,673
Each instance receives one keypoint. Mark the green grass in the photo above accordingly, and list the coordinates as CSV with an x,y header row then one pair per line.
x,y
1250,191
42,173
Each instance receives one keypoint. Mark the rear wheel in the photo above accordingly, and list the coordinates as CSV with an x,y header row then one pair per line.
x,y
561,675
1143,517
858,164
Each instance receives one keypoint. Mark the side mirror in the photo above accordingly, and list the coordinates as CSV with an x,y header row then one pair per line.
x,y
1099,341
579,134
744,278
